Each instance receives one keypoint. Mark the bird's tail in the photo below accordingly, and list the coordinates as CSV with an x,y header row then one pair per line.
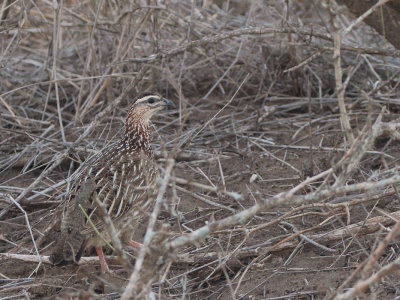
x,y
69,248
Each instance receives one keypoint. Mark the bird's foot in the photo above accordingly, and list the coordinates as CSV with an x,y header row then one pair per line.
x,y
134,244
103,264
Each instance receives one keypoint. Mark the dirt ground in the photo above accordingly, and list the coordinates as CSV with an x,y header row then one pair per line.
x,y
242,267
256,117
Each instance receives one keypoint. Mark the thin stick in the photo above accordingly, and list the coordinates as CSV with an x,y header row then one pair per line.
x,y
30,232
213,117
132,288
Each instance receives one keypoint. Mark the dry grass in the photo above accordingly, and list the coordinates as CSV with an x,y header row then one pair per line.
x,y
279,162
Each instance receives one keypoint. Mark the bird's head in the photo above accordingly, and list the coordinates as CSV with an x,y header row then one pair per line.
x,y
137,131
148,104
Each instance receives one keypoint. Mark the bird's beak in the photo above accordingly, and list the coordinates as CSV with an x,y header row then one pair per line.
x,y
166,102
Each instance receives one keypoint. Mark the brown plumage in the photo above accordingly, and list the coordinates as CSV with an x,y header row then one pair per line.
x,y
122,177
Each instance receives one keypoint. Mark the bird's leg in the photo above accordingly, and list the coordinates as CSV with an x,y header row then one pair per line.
x,y
134,244
103,263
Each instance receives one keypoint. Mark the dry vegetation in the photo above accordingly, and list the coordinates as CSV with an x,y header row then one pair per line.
x,y
279,165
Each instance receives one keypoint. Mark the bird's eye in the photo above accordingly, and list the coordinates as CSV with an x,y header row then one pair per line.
x,y
151,100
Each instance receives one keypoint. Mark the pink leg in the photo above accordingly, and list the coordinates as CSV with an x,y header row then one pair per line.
x,y
103,263
134,244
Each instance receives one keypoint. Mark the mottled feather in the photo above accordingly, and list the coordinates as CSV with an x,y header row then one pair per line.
x,y
122,177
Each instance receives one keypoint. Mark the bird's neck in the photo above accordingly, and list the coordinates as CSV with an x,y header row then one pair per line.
x,y
137,134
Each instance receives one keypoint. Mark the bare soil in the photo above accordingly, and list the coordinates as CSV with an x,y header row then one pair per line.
x,y
303,272
255,87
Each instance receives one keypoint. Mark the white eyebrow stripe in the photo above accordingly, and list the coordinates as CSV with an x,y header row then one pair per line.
x,y
146,98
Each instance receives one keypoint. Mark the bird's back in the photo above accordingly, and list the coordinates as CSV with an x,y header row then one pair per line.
x,y
119,183
122,181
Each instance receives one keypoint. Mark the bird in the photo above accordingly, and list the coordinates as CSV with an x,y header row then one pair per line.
x,y
120,180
